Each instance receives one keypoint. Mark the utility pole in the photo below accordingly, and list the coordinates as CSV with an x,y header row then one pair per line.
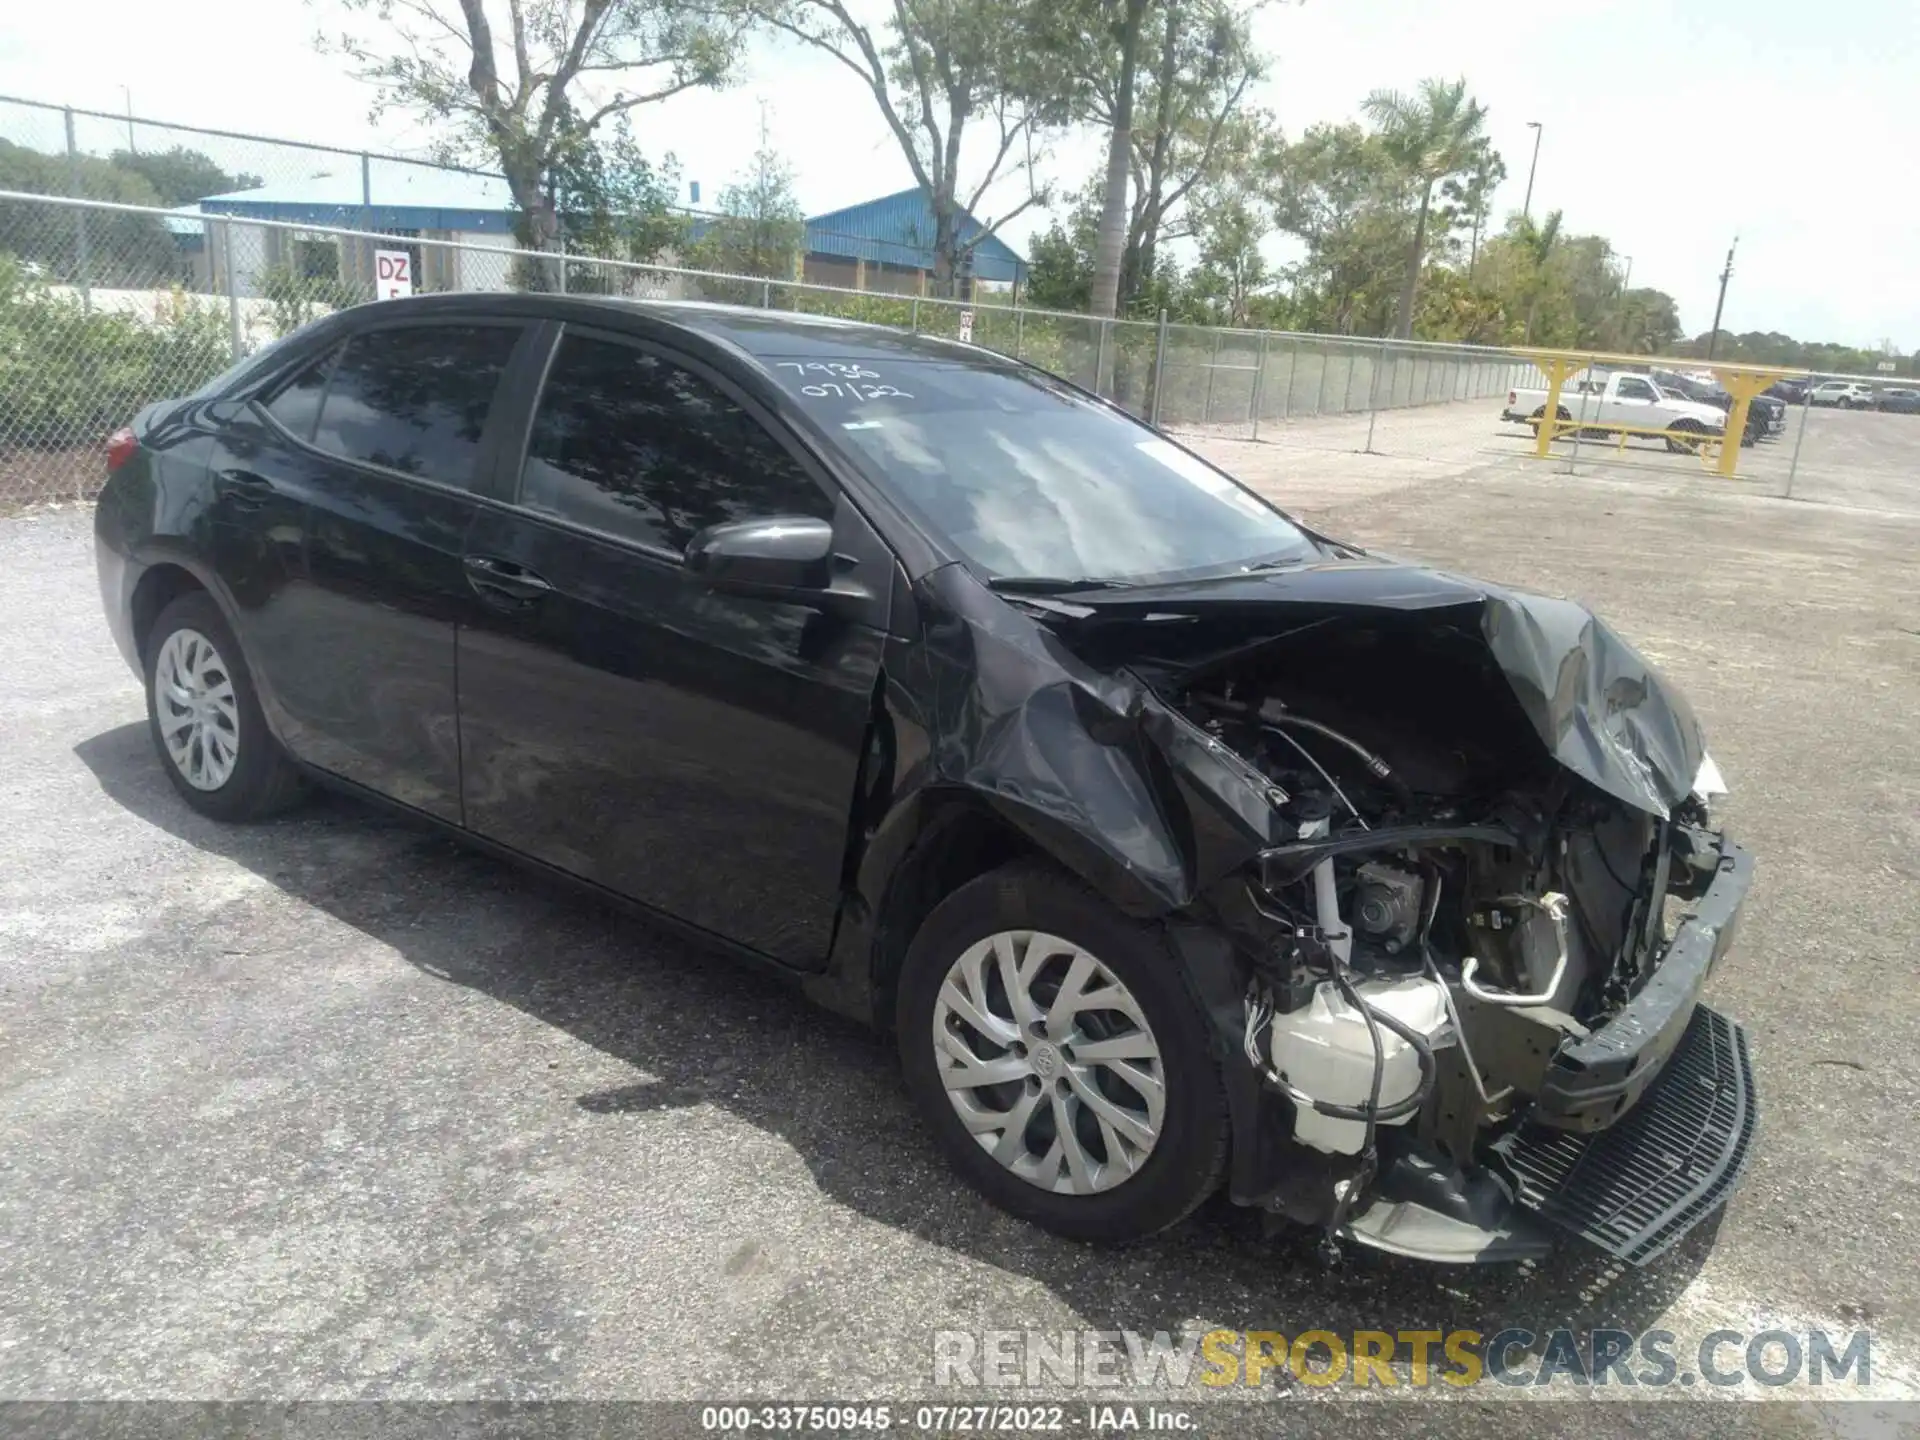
x,y
132,148
1713,335
1526,207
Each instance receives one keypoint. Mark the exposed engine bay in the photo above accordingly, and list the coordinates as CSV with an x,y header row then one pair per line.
x,y
1451,914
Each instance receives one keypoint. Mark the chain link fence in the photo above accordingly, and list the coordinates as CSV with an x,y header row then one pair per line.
x,y
105,308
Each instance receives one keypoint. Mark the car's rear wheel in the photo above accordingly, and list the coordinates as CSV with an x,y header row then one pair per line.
x,y
205,717
1534,420
1057,1052
1684,437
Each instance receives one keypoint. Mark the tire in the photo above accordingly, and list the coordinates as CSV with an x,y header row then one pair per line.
x,y
234,769
1684,437
1533,420
1107,1197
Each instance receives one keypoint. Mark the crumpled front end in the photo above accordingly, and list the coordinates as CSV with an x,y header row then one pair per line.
x,y
1440,860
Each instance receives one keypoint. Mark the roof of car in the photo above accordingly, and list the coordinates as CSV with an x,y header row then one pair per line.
x,y
769,334
762,334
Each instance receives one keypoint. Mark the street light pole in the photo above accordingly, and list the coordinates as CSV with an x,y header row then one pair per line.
x,y
1713,335
1526,207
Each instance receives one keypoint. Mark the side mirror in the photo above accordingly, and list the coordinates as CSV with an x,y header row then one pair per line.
x,y
781,557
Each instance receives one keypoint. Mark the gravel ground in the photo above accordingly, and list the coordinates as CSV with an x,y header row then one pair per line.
x,y
329,1108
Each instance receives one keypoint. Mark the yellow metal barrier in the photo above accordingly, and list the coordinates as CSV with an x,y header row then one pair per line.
x,y
1742,382
1703,443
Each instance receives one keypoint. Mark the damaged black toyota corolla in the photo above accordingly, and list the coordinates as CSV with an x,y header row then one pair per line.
x,y
1179,845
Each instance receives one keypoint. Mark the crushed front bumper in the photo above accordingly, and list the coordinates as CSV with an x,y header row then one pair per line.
x,y
1641,1130
1634,1189
1591,1083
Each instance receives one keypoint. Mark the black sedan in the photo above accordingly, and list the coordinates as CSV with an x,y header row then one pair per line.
x,y
1178,846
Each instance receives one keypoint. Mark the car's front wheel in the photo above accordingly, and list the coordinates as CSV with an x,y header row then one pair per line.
x,y
205,717
1056,1049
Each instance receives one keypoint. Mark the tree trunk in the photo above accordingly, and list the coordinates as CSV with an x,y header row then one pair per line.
x,y
945,271
542,225
1152,206
1110,239
1410,287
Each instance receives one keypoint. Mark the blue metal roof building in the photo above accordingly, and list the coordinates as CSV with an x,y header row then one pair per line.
x,y
897,231
884,244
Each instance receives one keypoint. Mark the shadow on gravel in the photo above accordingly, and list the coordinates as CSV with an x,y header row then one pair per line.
x,y
713,1032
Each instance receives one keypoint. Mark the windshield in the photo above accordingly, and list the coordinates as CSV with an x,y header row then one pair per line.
x,y
1030,480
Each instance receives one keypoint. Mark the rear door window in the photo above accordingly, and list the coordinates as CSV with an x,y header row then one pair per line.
x,y
631,444
415,399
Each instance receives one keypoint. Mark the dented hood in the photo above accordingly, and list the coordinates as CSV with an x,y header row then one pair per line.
x,y
1601,709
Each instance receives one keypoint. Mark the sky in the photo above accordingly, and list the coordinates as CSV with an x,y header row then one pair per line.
x,y
1668,126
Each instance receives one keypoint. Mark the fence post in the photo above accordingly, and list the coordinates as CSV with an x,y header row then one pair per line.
x,y
766,294
913,316
236,336
1102,378
1793,466
1213,368
1346,394
561,261
1159,372
1019,331
1259,377
1293,371
1373,391
82,253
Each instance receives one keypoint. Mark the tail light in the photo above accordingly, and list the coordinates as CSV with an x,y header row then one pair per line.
x,y
121,445
1512,396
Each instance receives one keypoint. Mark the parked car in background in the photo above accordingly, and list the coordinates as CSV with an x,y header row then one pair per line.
x,y
1607,402
1793,391
1900,400
1842,394
1179,847
1766,416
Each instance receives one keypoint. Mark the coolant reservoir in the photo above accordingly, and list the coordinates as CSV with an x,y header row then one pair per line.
x,y
1323,1050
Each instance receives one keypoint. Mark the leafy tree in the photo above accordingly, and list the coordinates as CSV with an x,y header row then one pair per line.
x,y
1536,244
508,99
1650,322
1468,197
180,176
1340,193
1060,266
122,250
1168,82
1433,136
935,69
761,228
613,201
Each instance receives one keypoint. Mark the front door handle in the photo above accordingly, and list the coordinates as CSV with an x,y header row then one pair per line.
x,y
498,581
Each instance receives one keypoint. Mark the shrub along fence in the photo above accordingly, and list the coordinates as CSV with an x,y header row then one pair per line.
x,y
106,308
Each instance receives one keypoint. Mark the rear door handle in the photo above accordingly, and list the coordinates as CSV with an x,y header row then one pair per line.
x,y
243,489
498,580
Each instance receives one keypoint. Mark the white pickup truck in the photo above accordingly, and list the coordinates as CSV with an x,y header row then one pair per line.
x,y
1606,404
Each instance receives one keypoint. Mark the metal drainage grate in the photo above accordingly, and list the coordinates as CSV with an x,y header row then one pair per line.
x,y
1638,1186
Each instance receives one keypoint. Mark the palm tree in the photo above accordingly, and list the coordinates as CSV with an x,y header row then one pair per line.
x,y
1432,135
1536,243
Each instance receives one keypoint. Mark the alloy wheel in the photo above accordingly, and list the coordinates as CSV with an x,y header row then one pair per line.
x,y
199,715
1049,1062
